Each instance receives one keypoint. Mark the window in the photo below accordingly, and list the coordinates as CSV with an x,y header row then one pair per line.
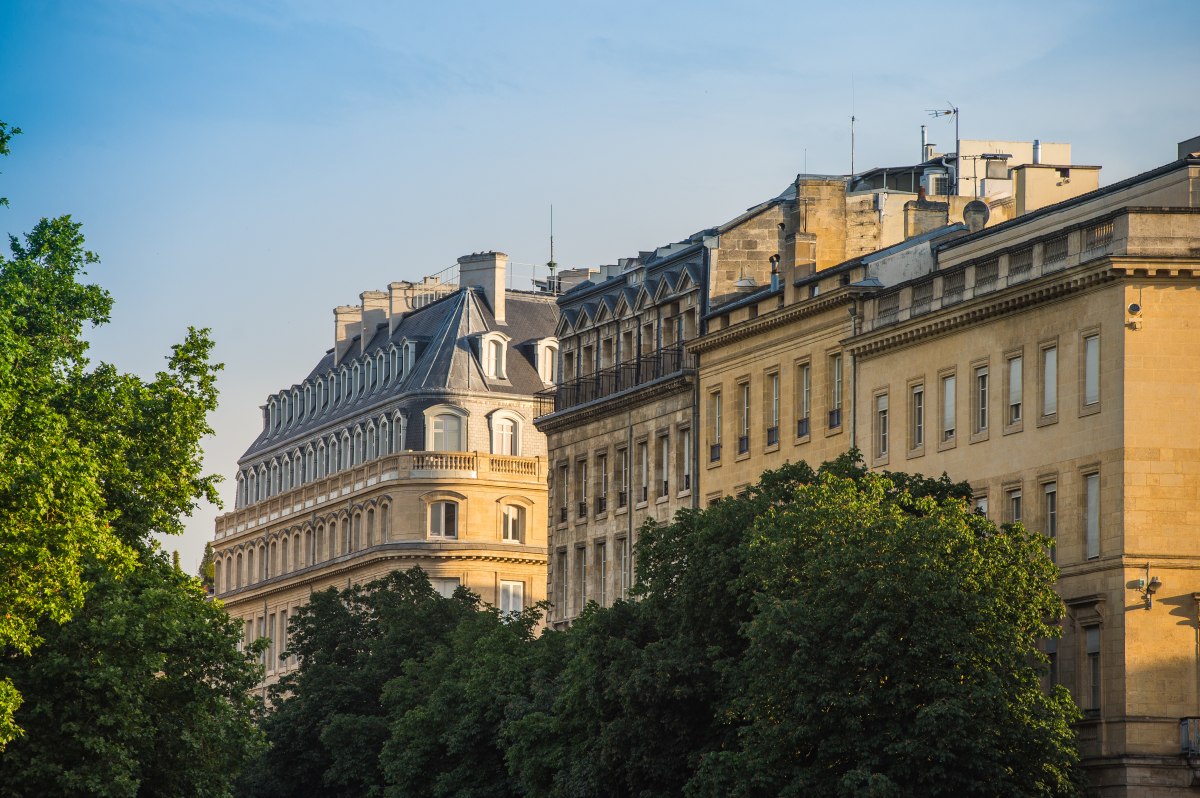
x,y
562,489
773,412
981,403
744,418
687,459
835,414
948,408
1092,640
1049,381
512,597
512,523
664,462
981,505
493,358
1091,370
644,458
623,556
714,426
447,433
623,495
881,424
602,572
443,519
1014,390
505,438
1014,506
444,587
804,395
370,528
271,661
602,487
561,592
548,364
581,557
581,489
1052,659
383,523
918,416
1092,482
1051,492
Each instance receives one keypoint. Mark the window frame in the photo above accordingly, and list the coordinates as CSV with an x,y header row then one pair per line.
x,y
1086,336
1010,424
1047,350
947,411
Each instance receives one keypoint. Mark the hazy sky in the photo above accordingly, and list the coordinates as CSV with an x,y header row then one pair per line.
x,y
248,166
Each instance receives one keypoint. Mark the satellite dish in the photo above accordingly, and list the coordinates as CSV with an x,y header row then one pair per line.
x,y
976,215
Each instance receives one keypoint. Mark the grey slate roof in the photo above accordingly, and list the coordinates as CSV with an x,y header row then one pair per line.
x,y
445,358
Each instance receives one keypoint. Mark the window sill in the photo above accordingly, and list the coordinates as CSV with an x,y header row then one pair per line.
x,y
833,431
1089,410
981,436
879,461
947,445
620,511
601,516
683,494
713,464
919,451
1046,421
561,526
772,448
805,439
581,521
641,505
1018,426
662,500
742,457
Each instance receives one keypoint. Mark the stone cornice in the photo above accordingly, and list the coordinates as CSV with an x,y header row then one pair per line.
x,y
616,403
843,295
401,550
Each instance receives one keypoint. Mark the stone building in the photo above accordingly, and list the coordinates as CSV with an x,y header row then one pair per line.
x,y
410,442
1050,359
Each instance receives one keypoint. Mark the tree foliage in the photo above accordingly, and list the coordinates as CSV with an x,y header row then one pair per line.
x,y
832,632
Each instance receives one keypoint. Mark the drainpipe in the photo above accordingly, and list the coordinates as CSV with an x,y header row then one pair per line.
x,y
853,375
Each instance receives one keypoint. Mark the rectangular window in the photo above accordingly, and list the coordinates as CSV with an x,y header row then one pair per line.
x,y
981,404
644,461
443,519
1052,657
948,409
602,476
1051,491
981,505
1014,390
744,419
1093,515
1049,381
664,461
623,563
581,488
602,572
283,636
918,417
1014,506
881,415
1091,370
835,415
512,523
271,661
581,556
773,412
714,426
687,459
623,495
561,597
562,495
1092,634
445,587
804,395
512,596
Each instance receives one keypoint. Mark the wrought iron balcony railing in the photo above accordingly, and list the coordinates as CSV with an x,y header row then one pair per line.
x,y
613,380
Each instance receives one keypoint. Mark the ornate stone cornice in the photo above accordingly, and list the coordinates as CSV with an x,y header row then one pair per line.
x,y
843,295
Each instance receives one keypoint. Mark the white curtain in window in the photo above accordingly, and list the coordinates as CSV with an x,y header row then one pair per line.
x,y
447,433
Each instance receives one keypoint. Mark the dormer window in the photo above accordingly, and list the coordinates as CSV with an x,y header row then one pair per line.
x,y
492,348
546,359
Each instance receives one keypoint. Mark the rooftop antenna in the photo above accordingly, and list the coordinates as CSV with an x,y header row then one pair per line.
x,y
852,118
552,265
951,111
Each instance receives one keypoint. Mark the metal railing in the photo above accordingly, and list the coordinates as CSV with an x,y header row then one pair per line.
x,y
601,505
687,481
622,498
583,509
562,515
606,382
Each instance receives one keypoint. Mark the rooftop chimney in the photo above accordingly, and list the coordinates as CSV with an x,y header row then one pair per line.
x,y
374,312
1037,151
486,270
347,322
924,144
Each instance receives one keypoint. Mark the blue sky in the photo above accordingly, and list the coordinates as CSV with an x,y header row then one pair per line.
x,y
247,166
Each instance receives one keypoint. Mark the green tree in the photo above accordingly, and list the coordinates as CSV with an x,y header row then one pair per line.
x,y
208,568
328,723
892,651
6,134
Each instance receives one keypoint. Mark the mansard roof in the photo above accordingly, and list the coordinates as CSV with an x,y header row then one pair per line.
x,y
445,359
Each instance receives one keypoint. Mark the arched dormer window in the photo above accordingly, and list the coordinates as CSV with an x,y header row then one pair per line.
x,y
264,484
389,364
298,406
505,426
276,480
372,441
322,461
379,373
492,349
357,457
285,476
445,428
399,432
546,359
345,452
408,358
385,437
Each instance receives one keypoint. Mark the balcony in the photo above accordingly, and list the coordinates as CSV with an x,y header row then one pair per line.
x,y
613,380
403,466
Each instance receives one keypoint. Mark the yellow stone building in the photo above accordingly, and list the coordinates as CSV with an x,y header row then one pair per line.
x,y
410,443
1054,361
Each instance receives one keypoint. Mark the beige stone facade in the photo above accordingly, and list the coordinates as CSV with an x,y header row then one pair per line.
x,y
410,443
1053,361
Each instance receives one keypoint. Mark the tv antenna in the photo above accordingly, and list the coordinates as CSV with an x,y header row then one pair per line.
x,y
951,111
552,265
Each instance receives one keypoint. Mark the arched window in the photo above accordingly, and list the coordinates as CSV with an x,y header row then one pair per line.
x,y
384,530
331,461
399,432
549,364
251,576
241,492
443,519
319,554
385,437
309,553
239,570
252,489
283,556
275,480
370,528
380,370
299,559
228,574
272,563
217,577
345,452
266,563
356,457
512,523
506,432
447,433
372,442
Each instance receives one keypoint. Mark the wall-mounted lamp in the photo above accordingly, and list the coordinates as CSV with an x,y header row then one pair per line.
x,y
1149,588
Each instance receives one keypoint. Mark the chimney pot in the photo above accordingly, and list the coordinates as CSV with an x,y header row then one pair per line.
x,y
486,270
